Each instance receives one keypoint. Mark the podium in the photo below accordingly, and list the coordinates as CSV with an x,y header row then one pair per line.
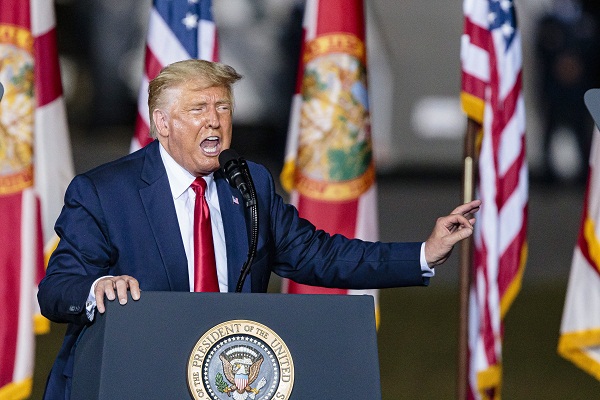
x,y
178,345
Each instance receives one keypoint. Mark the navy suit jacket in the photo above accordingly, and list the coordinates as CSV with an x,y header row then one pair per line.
x,y
119,218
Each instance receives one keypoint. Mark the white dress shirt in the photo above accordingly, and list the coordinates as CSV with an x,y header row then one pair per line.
x,y
184,198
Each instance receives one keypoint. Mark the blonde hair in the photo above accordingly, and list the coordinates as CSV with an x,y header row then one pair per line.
x,y
212,73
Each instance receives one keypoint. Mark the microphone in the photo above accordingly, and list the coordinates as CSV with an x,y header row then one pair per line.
x,y
238,175
1,91
233,166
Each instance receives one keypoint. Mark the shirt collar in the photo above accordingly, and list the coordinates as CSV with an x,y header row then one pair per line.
x,y
179,178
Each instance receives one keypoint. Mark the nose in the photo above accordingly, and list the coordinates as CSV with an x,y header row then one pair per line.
x,y
212,119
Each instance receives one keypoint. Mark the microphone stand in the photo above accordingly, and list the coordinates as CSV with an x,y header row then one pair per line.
x,y
252,204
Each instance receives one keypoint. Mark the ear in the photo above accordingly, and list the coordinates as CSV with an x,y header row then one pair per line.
x,y
161,121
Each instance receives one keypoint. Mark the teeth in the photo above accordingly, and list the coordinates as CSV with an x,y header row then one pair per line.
x,y
210,145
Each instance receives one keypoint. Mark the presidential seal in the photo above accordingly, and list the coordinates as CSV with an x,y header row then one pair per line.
x,y
240,360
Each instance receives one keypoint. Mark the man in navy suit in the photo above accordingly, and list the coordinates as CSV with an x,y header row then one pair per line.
x,y
128,225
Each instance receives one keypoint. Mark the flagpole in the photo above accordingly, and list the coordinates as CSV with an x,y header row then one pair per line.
x,y
469,163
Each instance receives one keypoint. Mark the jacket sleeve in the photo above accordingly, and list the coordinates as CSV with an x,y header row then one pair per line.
x,y
83,255
311,256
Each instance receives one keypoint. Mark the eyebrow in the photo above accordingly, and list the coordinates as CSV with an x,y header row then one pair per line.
x,y
218,101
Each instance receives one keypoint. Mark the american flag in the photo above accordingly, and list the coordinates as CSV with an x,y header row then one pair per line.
x,y
35,169
177,30
492,96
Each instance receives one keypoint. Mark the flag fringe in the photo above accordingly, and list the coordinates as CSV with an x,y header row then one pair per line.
x,y
41,325
473,106
571,346
287,175
489,381
49,248
17,390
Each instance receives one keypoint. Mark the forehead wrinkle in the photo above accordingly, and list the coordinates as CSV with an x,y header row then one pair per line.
x,y
188,95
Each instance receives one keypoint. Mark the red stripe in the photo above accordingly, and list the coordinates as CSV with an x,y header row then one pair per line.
x,y
478,35
48,86
152,64
471,393
142,131
582,242
510,259
152,68
473,85
496,127
507,184
507,106
488,337
486,329
584,247
215,55
10,270
336,16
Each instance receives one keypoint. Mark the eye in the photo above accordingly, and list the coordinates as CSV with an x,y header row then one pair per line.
x,y
198,108
223,107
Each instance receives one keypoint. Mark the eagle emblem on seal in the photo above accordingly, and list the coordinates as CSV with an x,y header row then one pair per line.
x,y
241,366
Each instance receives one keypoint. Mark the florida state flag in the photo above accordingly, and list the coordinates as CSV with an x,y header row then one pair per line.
x,y
35,167
579,340
329,169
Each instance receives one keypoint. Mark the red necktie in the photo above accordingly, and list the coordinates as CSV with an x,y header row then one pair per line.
x,y
205,267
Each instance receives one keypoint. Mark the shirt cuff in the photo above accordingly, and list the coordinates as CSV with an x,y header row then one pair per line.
x,y
426,272
90,304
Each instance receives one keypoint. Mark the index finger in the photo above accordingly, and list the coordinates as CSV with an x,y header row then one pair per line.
x,y
467,208
103,287
454,222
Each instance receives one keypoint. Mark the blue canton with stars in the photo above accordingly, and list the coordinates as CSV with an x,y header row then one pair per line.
x,y
502,17
183,17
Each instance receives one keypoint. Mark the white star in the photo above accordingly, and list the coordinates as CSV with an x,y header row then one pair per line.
x,y
491,18
505,5
190,21
192,1
507,29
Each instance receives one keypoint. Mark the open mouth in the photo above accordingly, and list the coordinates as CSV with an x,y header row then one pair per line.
x,y
211,146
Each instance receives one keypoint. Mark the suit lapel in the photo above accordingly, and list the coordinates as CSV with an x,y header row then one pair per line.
x,y
160,210
235,229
